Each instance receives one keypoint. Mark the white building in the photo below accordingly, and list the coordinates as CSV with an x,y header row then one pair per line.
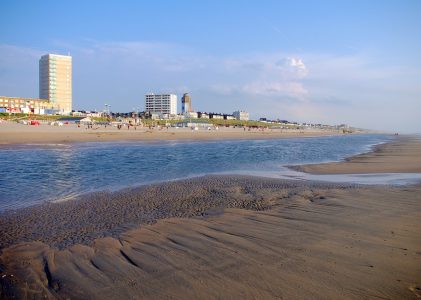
x,y
55,81
241,115
161,104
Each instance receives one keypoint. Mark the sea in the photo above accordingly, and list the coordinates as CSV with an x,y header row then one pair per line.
x,y
32,174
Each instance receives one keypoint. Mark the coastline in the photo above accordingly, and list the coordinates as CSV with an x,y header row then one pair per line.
x,y
221,237
12,133
401,155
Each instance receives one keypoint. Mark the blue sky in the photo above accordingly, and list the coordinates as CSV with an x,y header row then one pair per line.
x,y
355,62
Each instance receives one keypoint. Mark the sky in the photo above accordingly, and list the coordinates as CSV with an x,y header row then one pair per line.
x,y
331,62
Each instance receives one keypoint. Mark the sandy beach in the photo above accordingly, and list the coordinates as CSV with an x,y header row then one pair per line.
x,y
13,133
224,237
399,156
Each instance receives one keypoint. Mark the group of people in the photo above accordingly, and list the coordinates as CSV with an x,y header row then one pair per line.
x,y
120,126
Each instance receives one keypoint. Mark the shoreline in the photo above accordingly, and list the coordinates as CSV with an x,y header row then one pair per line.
x,y
15,134
184,139
400,155
210,237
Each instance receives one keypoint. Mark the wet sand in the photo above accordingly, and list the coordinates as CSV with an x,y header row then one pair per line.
x,y
219,237
13,133
402,155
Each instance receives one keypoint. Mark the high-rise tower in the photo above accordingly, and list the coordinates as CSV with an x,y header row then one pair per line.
x,y
161,103
55,81
186,103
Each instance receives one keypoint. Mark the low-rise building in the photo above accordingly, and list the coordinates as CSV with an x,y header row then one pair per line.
x,y
241,115
229,117
216,116
25,105
191,115
78,113
95,114
171,117
194,124
202,115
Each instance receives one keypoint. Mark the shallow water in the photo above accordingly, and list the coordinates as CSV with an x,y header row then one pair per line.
x,y
31,174
367,179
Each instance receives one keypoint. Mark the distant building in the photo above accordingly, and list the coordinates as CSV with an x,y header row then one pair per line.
x,y
55,81
229,117
216,116
191,115
241,115
186,106
202,115
161,104
193,124
170,117
94,114
79,113
25,105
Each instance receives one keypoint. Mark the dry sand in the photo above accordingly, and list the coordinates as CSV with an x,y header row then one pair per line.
x,y
219,237
403,155
13,133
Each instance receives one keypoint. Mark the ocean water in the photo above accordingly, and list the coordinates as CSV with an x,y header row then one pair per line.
x,y
32,174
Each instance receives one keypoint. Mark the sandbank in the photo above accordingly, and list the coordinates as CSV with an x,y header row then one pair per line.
x,y
402,155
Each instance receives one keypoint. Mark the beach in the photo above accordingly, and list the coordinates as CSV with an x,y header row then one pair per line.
x,y
225,237
399,156
14,133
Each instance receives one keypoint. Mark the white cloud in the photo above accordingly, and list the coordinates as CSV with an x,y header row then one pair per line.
x,y
294,66
273,75
291,89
